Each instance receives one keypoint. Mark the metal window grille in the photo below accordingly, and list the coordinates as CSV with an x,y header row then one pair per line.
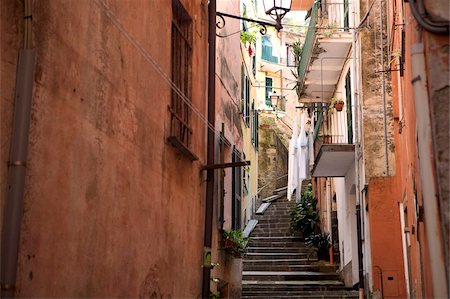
x,y
180,113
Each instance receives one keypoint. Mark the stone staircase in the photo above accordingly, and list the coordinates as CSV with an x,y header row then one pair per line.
x,y
279,265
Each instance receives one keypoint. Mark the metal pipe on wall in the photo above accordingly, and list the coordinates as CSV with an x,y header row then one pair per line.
x,y
209,201
15,189
428,173
383,90
357,158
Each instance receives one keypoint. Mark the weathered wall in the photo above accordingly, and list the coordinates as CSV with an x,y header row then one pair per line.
x,y
228,93
386,238
111,209
372,75
409,176
251,152
437,59
273,159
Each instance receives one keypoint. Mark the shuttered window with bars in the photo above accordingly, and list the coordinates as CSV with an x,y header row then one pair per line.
x,y
180,112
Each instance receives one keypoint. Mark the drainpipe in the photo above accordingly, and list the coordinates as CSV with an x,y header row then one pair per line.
x,y
383,90
14,200
328,197
209,203
428,173
357,158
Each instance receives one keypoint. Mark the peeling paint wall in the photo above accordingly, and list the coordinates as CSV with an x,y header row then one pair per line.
x,y
111,209
373,108
228,109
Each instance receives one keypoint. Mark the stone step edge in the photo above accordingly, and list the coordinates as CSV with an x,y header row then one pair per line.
x,y
294,282
286,273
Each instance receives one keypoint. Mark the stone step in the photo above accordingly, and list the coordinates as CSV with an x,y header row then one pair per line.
x,y
271,225
258,243
289,267
302,294
276,255
301,285
265,221
280,261
270,233
302,249
277,239
293,295
289,275
274,229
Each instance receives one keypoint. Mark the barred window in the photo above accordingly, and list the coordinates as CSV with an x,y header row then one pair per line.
x,y
180,113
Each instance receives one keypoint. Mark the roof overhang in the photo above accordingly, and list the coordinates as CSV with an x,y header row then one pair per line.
x,y
334,160
329,57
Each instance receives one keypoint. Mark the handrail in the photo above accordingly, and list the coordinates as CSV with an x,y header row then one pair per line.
x,y
277,179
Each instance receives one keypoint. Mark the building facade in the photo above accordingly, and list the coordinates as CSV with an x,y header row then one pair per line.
x,y
114,193
381,162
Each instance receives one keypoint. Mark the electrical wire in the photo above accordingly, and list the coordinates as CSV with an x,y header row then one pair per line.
x,y
114,20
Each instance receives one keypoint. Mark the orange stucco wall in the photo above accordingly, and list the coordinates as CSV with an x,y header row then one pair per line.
x,y
385,241
408,176
111,209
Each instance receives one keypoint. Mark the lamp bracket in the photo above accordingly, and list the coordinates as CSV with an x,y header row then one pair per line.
x,y
221,22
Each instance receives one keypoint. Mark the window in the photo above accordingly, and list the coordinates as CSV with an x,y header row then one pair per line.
x,y
290,56
348,96
180,114
269,86
346,19
245,94
255,126
236,187
267,50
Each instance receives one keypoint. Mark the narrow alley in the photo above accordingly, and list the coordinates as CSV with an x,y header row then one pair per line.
x,y
225,149
278,264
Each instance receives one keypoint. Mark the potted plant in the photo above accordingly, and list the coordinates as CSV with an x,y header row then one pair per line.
x,y
321,241
337,103
304,216
234,243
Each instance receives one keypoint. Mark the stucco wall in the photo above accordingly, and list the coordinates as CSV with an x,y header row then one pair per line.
x,y
387,257
111,209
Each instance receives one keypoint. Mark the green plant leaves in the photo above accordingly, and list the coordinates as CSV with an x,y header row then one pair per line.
x,y
304,216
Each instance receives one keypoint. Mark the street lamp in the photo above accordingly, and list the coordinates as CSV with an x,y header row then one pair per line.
x,y
276,9
274,100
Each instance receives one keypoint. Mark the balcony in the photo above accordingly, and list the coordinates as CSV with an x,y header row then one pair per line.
x,y
325,52
333,148
334,160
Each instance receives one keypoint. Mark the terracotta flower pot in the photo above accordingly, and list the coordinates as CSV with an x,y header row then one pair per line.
x,y
339,106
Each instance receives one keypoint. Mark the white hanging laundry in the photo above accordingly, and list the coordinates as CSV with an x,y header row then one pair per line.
x,y
292,165
302,156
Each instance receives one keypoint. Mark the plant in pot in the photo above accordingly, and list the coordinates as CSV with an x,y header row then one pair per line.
x,y
234,243
337,103
321,241
304,216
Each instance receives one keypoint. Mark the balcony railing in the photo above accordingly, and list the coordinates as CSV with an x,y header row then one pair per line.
x,y
334,17
308,46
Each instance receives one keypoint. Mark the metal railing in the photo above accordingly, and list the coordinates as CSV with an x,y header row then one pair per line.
x,y
334,17
308,46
